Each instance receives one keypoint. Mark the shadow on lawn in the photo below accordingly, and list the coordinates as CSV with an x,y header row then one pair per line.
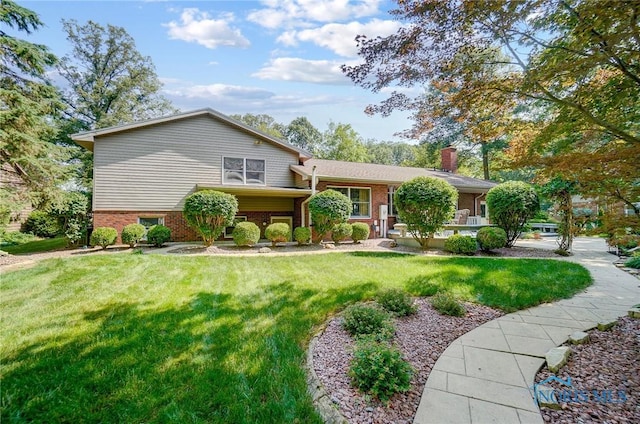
x,y
213,358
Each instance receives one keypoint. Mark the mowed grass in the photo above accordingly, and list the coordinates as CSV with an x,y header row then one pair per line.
x,y
160,338
36,246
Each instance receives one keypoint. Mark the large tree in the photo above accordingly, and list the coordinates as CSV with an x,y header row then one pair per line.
x,y
263,122
342,142
27,103
300,132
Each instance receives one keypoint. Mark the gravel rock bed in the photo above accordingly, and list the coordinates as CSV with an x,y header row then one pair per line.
x,y
609,361
421,337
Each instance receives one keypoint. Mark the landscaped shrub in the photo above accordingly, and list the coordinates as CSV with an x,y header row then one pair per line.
x,y
378,369
425,204
462,245
490,238
341,232
511,205
634,261
446,304
209,212
104,236
246,234
396,301
132,234
360,231
158,235
302,235
41,224
278,232
71,212
364,320
328,208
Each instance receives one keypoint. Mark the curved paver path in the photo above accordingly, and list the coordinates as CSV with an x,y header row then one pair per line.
x,y
486,375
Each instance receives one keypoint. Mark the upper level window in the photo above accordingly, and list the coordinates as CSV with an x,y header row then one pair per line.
x,y
243,171
360,200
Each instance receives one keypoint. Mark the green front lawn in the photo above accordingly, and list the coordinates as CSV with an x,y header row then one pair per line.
x,y
159,338
37,246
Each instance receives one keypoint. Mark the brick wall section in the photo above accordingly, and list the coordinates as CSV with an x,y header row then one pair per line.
x,y
449,158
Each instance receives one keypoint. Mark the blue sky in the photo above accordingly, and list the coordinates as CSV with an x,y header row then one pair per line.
x,y
279,57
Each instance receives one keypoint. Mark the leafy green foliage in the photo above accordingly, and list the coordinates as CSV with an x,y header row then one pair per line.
x,y
36,246
278,232
246,234
301,132
71,210
425,204
360,231
396,301
464,245
302,235
379,370
342,142
328,208
13,238
209,212
490,238
634,261
104,236
366,320
341,232
446,304
158,235
132,234
511,205
41,224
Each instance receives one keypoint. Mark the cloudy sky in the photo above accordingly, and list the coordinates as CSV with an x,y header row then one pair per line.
x,y
279,57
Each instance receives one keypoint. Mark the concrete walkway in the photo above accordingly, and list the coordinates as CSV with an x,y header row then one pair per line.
x,y
486,375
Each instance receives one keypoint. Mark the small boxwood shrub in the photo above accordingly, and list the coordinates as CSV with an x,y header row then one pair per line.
x,y
365,320
246,234
634,261
132,234
360,231
465,245
396,301
103,236
378,369
158,235
41,224
341,232
278,233
446,304
490,238
302,235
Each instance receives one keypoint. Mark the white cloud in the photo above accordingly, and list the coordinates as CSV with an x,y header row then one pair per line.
x,y
218,92
300,13
199,27
302,70
340,38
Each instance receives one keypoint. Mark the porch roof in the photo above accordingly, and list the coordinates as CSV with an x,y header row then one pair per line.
x,y
249,190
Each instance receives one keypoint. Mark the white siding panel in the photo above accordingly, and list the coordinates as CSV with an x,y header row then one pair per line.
x,y
155,168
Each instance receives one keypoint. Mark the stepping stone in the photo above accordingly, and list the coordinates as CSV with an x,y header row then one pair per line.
x,y
579,337
634,312
557,357
264,250
605,325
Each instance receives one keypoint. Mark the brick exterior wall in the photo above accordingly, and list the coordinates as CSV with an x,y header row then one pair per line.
x,y
449,158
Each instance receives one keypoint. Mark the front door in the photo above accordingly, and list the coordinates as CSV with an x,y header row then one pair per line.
x,y
284,219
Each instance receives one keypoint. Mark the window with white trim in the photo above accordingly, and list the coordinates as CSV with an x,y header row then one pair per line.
x,y
483,209
392,207
228,231
243,171
360,200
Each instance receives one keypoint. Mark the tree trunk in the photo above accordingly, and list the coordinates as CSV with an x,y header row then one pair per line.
x,y
485,159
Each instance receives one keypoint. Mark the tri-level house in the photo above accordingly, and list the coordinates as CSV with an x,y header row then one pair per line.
x,y
144,171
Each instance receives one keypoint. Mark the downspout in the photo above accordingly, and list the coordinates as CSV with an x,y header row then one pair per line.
x,y
313,191
475,203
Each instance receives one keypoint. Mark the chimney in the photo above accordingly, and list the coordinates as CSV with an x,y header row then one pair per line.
x,y
449,159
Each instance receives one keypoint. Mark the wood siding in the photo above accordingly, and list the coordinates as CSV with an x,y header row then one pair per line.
x,y
155,168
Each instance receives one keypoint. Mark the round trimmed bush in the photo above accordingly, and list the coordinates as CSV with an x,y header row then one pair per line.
x,y
41,224
511,205
379,370
103,236
158,235
462,245
490,238
341,232
360,231
396,301
209,212
302,235
328,208
278,233
132,234
246,234
364,320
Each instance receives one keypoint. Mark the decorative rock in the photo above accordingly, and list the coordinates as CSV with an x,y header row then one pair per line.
x,y
546,397
557,358
634,312
329,246
578,337
605,325
264,250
